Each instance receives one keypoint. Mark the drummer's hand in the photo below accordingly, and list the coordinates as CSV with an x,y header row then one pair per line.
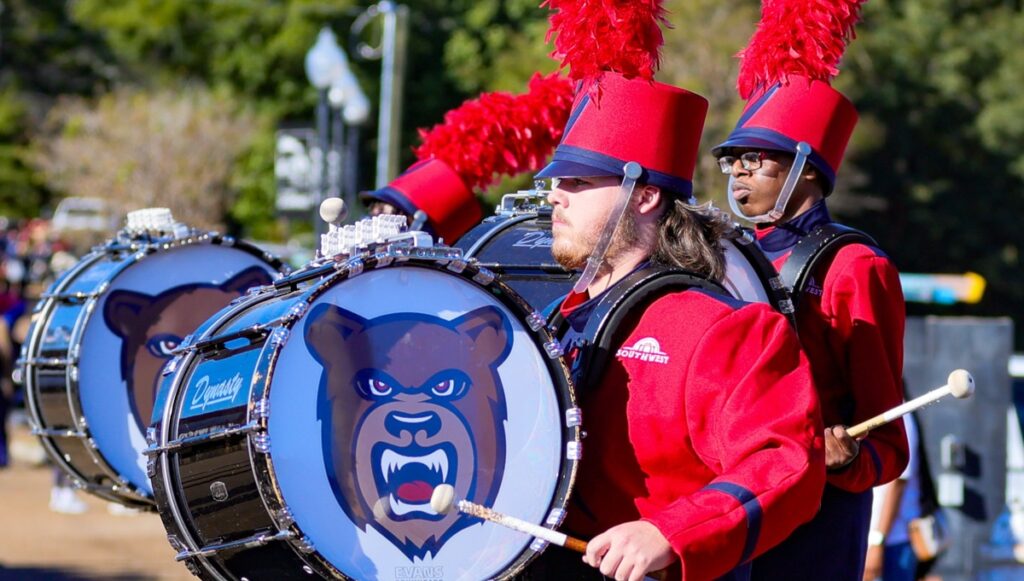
x,y
840,448
629,551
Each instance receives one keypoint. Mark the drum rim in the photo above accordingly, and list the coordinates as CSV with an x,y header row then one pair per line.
x,y
122,491
262,464
488,234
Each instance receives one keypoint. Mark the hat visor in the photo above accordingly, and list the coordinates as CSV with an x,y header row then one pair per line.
x,y
749,143
571,169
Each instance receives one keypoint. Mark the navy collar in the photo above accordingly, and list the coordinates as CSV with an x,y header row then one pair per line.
x,y
778,237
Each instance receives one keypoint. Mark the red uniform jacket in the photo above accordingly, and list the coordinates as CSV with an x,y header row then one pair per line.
x,y
850,320
706,424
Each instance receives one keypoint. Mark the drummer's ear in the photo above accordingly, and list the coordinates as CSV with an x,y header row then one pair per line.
x,y
124,309
248,278
328,327
490,332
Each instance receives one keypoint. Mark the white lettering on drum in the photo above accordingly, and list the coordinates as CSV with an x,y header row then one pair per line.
x,y
423,573
535,240
208,394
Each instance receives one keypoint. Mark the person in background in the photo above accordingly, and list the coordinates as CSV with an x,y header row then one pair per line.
x,y
889,555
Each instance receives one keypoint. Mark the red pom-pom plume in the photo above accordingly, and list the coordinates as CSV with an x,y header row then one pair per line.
x,y
595,36
499,133
797,37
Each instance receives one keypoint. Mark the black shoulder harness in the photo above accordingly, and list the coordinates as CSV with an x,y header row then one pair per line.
x,y
605,325
821,243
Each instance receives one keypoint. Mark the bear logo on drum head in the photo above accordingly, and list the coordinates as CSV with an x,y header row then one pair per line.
x,y
406,402
151,326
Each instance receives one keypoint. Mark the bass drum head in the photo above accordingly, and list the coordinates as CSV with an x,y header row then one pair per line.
x,y
402,379
142,316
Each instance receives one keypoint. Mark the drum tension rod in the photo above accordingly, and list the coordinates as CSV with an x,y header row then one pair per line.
x,y
246,543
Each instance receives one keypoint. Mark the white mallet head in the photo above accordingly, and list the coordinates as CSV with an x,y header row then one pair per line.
x,y
333,211
442,498
380,508
961,384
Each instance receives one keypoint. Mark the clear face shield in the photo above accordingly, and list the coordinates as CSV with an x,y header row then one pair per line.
x,y
803,151
632,172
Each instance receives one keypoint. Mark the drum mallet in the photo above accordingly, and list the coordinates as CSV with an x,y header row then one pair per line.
x,y
333,211
443,499
960,384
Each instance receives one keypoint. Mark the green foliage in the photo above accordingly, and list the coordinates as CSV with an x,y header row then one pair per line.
x,y
255,47
939,80
21,194
253,214
499,45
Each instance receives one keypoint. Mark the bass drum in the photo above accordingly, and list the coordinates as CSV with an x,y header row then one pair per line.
x,y
516,244
102,332
306,426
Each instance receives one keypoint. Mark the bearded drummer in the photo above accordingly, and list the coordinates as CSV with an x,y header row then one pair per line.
x,y
703,444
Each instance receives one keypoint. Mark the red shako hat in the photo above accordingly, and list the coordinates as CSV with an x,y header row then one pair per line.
x,y
654,124
620,113
785,75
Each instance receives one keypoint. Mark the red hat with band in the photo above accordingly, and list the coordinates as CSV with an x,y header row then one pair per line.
x,y
650,123
802,110
784,76
433,186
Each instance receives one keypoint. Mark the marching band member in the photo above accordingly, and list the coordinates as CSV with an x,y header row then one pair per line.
x,y
782,160
709,453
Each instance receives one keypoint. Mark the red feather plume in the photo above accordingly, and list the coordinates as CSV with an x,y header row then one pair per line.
x,y
499,133
797,37
595,36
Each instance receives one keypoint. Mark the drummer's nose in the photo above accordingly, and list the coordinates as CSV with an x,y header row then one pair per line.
x,y
556,197
397,422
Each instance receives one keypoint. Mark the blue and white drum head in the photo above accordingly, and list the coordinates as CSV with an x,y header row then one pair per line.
x,y
396,381
144,314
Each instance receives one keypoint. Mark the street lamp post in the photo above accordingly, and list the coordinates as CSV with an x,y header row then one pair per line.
x,y
392,53
324,62
352,110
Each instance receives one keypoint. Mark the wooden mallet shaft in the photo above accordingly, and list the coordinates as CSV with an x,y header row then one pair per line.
x,y
960,384
444,495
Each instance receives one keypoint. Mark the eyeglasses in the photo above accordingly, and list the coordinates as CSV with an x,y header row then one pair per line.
x,y
751,161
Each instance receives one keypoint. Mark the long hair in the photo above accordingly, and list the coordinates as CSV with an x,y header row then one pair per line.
x,y
689,237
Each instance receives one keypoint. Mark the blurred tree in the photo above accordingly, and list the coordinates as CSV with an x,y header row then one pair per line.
x,y
937,85
256,49
699,55
43,54
21,191
253,47
172,148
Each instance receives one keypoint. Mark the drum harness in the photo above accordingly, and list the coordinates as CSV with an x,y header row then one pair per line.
x,y
821,244
605,324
